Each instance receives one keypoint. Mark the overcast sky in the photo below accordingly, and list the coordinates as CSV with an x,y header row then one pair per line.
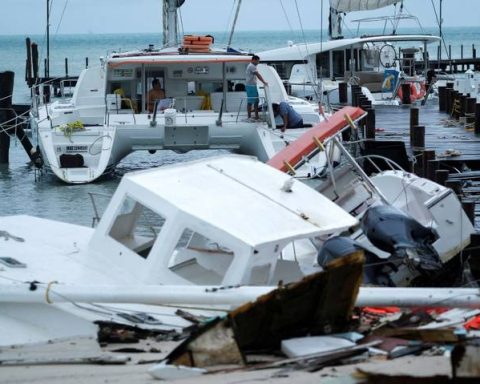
x,y
114,16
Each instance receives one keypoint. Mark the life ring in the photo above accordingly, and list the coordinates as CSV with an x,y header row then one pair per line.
x,y
417,91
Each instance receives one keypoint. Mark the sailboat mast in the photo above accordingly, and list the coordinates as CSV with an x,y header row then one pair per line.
x,y
170,29
234,24
440,30
47,62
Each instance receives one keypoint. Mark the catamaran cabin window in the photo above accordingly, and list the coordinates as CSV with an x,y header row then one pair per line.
x,y
136,227
200,260
323,65
338,63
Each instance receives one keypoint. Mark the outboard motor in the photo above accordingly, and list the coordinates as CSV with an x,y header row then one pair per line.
x,y
375,271
393,231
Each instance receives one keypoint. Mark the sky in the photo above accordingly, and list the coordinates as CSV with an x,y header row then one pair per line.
x,y
28,17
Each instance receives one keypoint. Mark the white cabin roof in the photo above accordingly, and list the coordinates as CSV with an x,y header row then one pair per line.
x,y
169,57
302,51
244,197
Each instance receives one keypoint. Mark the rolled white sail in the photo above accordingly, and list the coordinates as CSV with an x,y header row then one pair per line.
x,y
360,5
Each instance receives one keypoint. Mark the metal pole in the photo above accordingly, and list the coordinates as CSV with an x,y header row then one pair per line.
x,y
227,298
441,33
47,67
234,24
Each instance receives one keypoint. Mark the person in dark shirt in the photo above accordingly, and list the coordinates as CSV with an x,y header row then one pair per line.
x,y
290,117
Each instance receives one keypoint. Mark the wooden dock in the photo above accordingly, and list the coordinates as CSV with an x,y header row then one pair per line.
x,y
456,150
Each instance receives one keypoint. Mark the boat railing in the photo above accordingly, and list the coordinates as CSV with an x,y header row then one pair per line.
x,y
96,212
386,20
67,84
159,102
117,107
389,162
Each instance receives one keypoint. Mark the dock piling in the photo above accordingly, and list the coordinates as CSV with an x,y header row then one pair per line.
x,y
477,118
370,124
414,121
441,176
342,92
429,165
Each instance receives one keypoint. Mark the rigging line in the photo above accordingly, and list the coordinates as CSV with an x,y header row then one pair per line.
x,y
439,22
304,38
291,30
61,17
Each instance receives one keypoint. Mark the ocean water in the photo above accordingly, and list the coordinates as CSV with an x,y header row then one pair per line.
x,y
24,191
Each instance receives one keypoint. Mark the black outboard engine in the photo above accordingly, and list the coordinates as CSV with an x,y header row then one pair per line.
x,y
375,271
393,231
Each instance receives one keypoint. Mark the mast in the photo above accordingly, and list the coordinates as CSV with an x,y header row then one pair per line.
x,y
170,26
335,24
234,24
47,62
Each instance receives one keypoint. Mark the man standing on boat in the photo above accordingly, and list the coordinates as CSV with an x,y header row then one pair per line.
x,y
251,86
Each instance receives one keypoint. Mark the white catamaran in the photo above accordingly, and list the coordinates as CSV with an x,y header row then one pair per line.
x,y
109,115
379,63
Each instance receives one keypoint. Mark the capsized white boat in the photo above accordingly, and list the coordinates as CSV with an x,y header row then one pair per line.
x,y
221,222
402,215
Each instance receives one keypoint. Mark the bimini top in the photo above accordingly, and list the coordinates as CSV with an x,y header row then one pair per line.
x,y
172,56
297,52
242,196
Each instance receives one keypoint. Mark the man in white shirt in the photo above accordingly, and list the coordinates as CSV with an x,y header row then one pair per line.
x,y
251,86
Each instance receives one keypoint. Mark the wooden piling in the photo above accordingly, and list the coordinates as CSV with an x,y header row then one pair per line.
x,y
455,185
66,67
448,100
356,91
462,100
6,113
418,137
470,113
429,165
370,124
441,176
442,95
477,118
342,92
406,97
469,208
414,121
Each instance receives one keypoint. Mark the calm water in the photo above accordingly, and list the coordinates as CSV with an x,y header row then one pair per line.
x,y
24,191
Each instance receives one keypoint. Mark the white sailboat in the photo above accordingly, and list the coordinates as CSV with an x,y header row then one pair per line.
x,y
317,67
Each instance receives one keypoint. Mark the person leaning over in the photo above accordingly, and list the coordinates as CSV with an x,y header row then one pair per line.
x,y
251,86
156,93
290,117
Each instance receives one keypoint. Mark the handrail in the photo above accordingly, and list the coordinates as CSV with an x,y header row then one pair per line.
x,y
153,123
96,218
389,162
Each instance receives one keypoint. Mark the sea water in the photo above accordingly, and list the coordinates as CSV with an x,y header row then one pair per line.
x,y
23,190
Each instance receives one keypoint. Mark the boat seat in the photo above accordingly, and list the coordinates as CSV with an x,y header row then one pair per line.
x,y
192,271
236,101
189,103
368,79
